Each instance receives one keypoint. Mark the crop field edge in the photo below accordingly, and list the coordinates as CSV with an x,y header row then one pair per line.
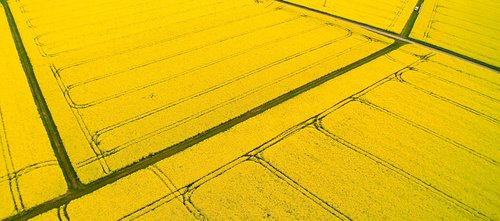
x,y
60,153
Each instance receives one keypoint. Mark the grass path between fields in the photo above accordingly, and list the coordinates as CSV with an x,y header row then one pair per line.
x,y
51,128
77,189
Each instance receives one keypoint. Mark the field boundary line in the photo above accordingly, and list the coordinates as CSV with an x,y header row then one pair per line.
x,y
67,169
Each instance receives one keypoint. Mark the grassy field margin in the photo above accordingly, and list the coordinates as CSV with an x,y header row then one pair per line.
x,y
55,139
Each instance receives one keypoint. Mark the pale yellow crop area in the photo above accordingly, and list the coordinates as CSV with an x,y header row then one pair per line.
x,y
435,122
470,28
29,172
345,124
155,73
390,15
126,199
412,135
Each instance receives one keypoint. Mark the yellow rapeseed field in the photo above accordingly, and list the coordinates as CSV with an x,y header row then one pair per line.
x,y
378,155
249,110
136,85
467,27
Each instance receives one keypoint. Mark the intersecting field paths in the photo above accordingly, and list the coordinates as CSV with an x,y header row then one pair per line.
x,y
246,110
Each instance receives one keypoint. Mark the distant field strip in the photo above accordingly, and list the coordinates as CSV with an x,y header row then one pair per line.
x,y
139,85
470,28
390,15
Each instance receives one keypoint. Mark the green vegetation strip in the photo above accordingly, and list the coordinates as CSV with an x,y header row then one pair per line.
x,y
411,21
51,128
